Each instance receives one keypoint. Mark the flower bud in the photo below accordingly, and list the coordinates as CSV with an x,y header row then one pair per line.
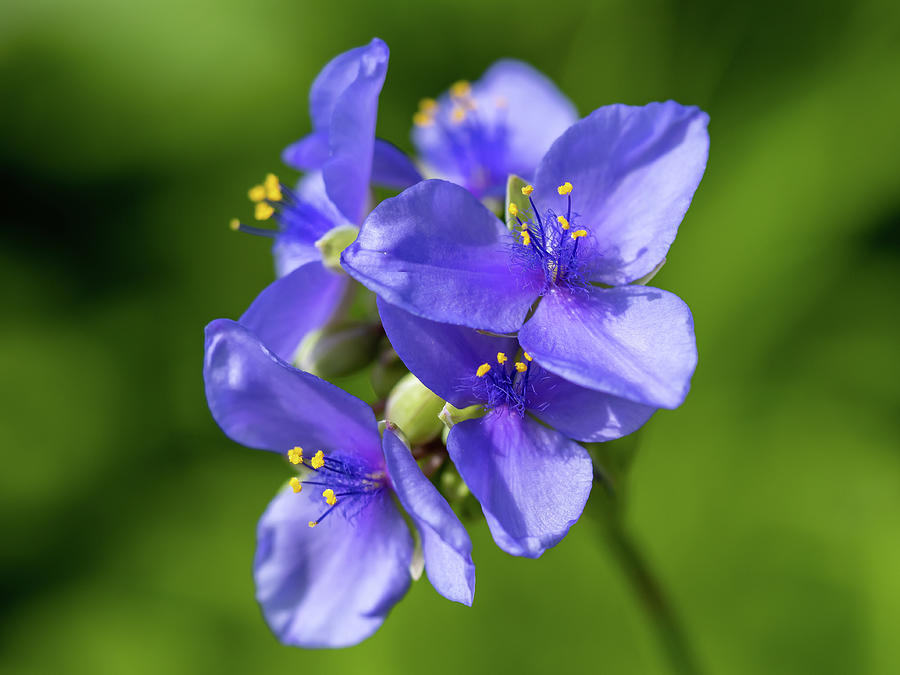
x,y
414,408
387,372
333,243
338,349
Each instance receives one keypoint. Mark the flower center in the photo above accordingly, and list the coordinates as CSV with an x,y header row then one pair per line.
x,y
346,481
504,385
475,138
550,243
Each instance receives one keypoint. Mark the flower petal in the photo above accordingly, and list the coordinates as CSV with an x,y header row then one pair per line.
x,y
351,133
437,252
445,542
584,414
634,172
309,153
334,584
443,356
260,401
532,481
636,342
392,168
290,307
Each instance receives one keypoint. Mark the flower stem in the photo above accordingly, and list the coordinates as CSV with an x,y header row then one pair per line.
x,y
644,584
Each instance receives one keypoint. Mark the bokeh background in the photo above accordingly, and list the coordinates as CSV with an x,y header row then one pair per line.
x,y
769,504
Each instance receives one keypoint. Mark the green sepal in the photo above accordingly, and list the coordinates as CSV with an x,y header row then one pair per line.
x,y
332,244
514,195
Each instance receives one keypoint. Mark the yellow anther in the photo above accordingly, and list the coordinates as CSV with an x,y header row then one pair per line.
x,y
234,224
526,238
460,89
565,188
296,485
428,106
458,115
483,369
521,367
563,222
263,211
318,460
513,210
273,188
527,356
527,190
421,119
257,193
330,499
295,455
313,523
501,358
579,233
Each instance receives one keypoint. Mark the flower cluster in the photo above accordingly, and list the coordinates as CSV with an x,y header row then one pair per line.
x,y
511,290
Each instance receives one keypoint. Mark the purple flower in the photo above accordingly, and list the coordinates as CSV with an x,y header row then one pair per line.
x,y
606,203
476,135
532,480
333,551
340,153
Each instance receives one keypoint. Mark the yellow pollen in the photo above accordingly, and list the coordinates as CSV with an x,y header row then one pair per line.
x,y
313,523
234,224
565,188
296,485
458,115
483,369
257,193
273,188
421,119
527,190
579,233
428,106
521,367
460,89
563,222
330,499
501,358
526,238
318,460
513,210
296,455
527,356
263,211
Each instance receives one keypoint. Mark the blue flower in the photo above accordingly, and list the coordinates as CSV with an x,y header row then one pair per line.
x,y
333,551
476,135
532,479
342,154
606,203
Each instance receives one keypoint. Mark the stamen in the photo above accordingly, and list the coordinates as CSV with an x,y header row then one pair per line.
x,y
565,188
579,233
460,89
527,356
513,210
458,115
263,211
295,455
257,193
501,358
428,106
562,222
273,188
296,485
527,190
318,460
526,238
483,369
234,224
313,523
421,119
521,367
330,499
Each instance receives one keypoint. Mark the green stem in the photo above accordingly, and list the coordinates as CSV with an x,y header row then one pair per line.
x,y
647,589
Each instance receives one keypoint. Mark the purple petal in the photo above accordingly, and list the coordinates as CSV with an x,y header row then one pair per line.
x,y
636,342
309,153
443,356
585,414
437,252
532,481
334,584
351,133
445,542
392,168
260,401
634,172
290,307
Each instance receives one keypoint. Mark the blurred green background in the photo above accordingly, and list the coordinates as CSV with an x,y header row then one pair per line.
x,y
769,503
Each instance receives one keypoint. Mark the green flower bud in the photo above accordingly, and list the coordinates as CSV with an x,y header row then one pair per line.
x,y
338,349
333,243
414,408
